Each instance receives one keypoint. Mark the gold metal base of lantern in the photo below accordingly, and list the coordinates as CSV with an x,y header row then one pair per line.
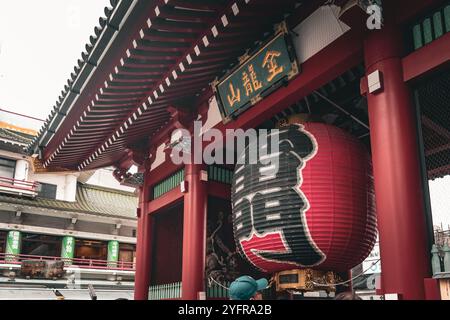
x,y
306,280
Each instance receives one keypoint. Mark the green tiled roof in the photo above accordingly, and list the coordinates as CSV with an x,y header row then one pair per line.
x,y
15,136
89,199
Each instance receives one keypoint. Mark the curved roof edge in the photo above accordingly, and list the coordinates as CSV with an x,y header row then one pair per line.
x,y
98,43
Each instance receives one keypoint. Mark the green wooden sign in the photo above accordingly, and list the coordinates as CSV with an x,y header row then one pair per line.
x,y
257,76
113,251
13,245
13,242
68,247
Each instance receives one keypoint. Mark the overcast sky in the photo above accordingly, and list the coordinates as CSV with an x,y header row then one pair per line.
x,y
440,201
40,42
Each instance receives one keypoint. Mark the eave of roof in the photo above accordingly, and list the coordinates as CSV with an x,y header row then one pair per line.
x,y
94,52
179,48
90,199
15,137
14,141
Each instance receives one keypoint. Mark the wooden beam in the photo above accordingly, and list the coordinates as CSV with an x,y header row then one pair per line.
x,y
410,9
165,200
427,59
66,214
435,150
441,171
63,232
219,190
430,124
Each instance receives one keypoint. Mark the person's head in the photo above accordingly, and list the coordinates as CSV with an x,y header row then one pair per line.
x,y
245,287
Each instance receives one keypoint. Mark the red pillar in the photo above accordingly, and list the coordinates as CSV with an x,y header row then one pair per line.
x,y
194,224
143,250
395,155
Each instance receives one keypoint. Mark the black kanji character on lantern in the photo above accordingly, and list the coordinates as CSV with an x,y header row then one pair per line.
x,y
267,198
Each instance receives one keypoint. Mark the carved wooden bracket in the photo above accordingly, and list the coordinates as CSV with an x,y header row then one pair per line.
x,y
181,117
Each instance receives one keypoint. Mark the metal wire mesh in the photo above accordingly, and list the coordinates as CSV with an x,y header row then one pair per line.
x,y
433,99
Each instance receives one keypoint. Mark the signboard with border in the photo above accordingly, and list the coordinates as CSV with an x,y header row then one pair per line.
x,y
68,247
257,76
113,253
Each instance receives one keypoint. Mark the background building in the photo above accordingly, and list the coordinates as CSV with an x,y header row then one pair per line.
x,y
67,215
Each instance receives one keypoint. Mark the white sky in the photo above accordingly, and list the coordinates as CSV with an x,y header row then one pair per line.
x,y
40,42
440,201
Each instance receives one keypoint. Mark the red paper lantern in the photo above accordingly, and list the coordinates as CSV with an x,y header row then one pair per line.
x,y
317,210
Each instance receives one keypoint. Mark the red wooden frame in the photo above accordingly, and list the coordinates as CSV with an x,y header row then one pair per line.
x,y
433,56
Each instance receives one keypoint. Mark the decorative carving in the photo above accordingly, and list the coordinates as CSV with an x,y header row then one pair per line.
x,y
181,116
221,262
281,28
214,84
307,280
256,99
135,180
244,57
121,174
294,71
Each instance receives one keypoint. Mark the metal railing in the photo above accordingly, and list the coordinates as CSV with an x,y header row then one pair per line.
x,y
7,258
173,291
19,185
216,291
165,291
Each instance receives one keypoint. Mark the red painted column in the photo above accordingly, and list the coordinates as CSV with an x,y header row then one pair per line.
x,y
143,250
395,155
194,224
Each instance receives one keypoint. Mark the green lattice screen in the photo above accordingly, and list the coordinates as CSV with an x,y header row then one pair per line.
x,y
168,184
431,27
220,174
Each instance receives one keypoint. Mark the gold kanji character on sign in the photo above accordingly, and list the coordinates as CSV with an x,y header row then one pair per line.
x,y
271,64
251,82
235,95
256,84
247,84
